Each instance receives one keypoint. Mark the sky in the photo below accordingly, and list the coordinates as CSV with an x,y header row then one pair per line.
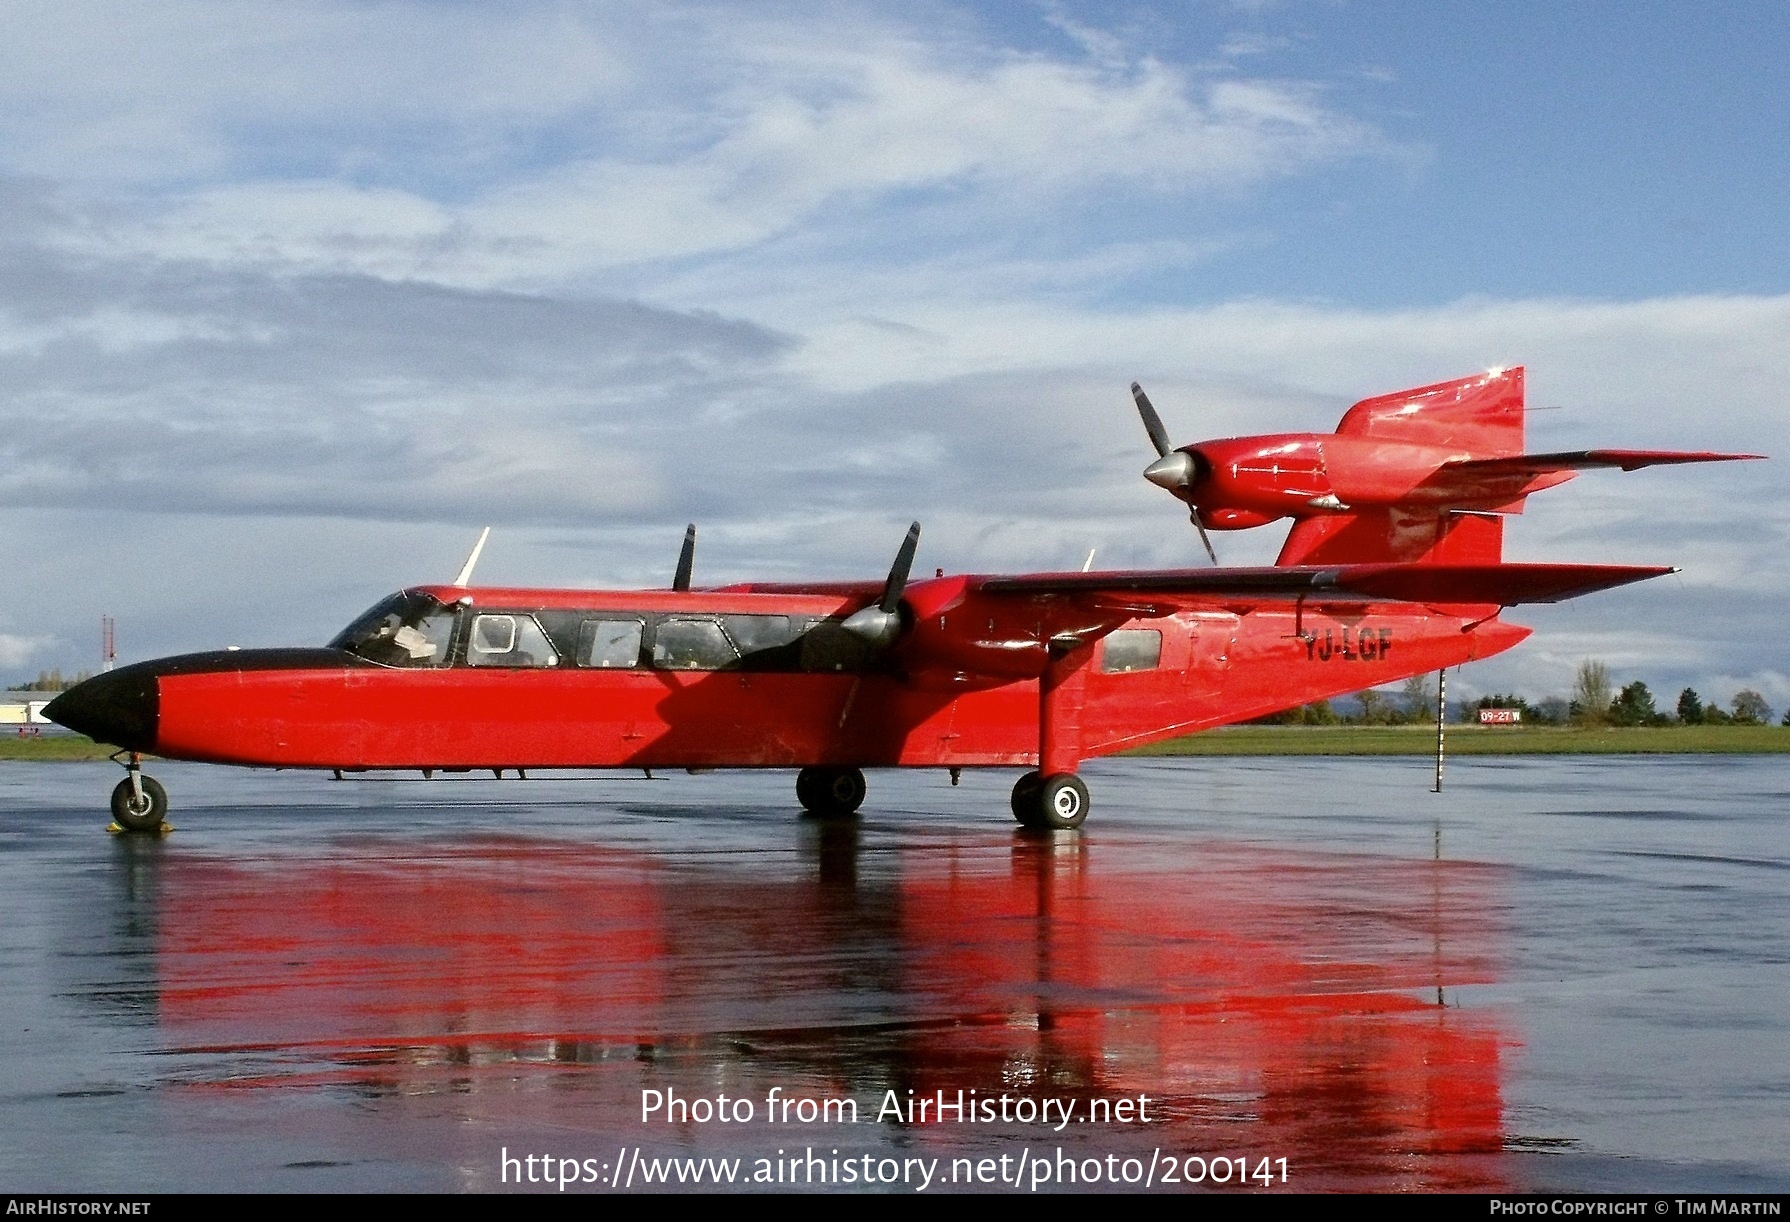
x,y
296,296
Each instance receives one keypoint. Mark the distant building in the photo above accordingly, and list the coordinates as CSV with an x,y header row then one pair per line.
x,y
17,710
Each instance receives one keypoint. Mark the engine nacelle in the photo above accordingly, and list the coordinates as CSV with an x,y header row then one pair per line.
x,y
1233,519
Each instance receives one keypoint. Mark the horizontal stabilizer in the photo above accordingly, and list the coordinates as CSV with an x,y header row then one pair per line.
x,y
1505,585
1581,460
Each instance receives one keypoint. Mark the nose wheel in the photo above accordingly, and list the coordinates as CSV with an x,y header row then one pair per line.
x,y
139,803
1053,803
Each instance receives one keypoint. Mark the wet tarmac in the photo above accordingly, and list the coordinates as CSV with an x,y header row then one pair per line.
x,y
1560,974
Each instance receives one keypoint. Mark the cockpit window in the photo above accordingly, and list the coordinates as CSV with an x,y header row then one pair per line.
x,y
408,629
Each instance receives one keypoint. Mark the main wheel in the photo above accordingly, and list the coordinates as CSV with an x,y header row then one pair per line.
x,y
144,814
830,792
1062,802
1025,798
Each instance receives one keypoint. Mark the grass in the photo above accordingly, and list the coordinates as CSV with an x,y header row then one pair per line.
x,y
54,747
1478,740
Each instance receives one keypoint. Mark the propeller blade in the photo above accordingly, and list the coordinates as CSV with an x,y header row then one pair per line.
x,y
1152,422
880,623
1204,538
904,562
686,560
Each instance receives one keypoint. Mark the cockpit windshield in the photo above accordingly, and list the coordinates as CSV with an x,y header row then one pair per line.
x,y
407,629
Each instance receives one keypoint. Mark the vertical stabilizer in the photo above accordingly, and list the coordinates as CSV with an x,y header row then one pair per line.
x,y
1477,417
1481,416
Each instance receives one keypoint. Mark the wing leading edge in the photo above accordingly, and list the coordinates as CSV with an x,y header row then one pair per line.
x,y
1504,585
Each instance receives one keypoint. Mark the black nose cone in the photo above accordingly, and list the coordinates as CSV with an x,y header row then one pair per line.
x,y
118,707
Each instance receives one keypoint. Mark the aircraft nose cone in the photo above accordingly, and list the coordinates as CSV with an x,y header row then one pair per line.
x,y
118,708
1173,470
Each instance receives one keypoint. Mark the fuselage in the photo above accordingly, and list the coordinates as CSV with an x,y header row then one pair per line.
x,y
446,677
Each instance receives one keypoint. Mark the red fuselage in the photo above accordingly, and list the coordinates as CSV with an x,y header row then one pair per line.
x,y
961,689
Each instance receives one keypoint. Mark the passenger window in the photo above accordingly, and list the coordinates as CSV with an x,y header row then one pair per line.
x,y
508,640
692,644
765,642
755,632
609,643
826,646
1131,649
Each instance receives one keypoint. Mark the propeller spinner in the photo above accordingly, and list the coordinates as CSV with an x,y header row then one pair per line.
x,y
1175,470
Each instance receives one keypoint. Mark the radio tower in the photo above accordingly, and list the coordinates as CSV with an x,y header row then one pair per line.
x,y
108,642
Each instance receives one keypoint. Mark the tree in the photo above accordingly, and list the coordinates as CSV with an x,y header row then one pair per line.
x,y
1750,707
1633,706
1591,692
1374,710
1690,707
50,681
1318,714
1419,695
1554,711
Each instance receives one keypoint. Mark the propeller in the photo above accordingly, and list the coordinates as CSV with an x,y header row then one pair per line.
x,y
686,559
880,623
1175,470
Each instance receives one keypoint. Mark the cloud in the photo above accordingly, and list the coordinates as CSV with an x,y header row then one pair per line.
x,y
831,132
17,650
103,91
168,387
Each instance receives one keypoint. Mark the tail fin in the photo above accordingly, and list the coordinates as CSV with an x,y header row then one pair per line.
x,y
1481,417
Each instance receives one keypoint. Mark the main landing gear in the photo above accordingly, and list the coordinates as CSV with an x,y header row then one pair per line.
x,y
139,803
830,793
1053,803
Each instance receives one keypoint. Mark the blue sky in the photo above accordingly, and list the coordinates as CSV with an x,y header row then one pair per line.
x,y
295,296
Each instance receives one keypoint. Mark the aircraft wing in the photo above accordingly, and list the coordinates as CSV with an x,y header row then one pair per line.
x,y
1505,585
1580,460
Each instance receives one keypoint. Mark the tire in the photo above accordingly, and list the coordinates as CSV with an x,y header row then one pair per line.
x,y
144,816
831,793
1062,802
1025,798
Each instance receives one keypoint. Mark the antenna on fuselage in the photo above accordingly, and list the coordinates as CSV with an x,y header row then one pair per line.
x,y
686,560
466,569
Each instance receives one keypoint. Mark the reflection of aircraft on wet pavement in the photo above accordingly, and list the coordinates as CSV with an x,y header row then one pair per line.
x,y
1265,1000
1393,567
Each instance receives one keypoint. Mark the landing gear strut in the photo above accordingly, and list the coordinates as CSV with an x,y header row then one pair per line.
x,y
1053,803
139,803
830,792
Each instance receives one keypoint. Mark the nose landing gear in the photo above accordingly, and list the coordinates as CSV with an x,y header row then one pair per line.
x,y
139,803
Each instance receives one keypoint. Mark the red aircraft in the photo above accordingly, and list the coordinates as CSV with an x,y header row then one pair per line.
x,y
1393,567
